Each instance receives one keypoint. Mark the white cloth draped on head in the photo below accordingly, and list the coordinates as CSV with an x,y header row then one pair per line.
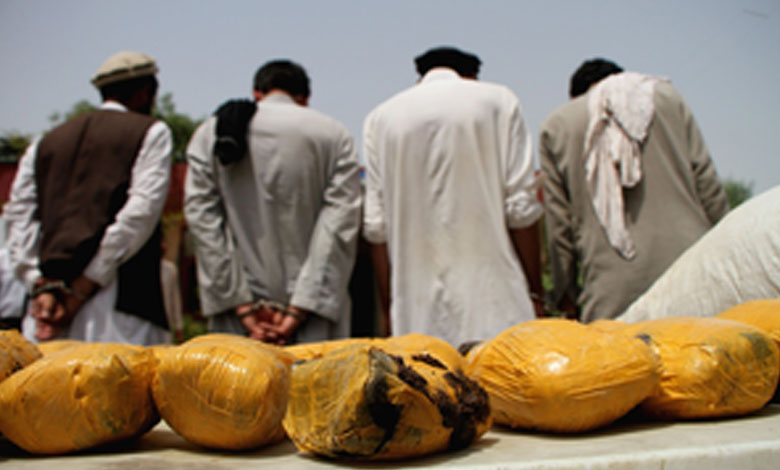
x,y
620,110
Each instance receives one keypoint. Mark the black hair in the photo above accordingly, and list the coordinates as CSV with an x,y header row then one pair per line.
x,y
123,91
466,64
589,73
284,75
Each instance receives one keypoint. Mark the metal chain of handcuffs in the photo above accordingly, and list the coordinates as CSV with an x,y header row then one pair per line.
x,y
273,305
57,287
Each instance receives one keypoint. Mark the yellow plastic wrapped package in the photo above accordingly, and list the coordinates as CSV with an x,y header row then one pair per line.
x,y
362,403
562,376
405,345
223,391
416,344
711,367
56,345
761,313
16,352
608,325
79,398
307,351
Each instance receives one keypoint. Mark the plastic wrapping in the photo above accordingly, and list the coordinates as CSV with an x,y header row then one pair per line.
x,y
711,367
608,325
562,376
406,345
16,352
414,345
223,391
761,313
307,351
56,345
360,402
79,398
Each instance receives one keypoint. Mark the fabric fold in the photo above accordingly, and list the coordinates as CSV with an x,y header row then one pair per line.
x,y
620,111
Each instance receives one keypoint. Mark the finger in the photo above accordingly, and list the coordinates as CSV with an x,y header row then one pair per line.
x,y
43,306
59,314
44,331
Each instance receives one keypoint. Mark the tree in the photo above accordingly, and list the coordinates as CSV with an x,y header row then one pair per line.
x,y
81,107
12,146
737,192
182,126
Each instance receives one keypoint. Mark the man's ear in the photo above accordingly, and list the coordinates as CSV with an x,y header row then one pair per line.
x,y
257,94
301,100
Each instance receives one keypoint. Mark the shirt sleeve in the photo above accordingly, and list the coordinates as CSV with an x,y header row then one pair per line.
x,y
325,274
24,228
374,218
221,279
137,219
710,191
521,205
558,216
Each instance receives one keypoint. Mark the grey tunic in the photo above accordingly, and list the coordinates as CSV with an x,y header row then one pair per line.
x,y
678,199
281,223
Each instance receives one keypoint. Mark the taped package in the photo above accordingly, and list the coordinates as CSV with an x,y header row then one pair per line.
x,y
562,376
363,403
79,398
712,367
405,345
16,352
223,391
761,313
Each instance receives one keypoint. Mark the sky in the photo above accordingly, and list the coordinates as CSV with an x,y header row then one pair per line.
x,y
723,56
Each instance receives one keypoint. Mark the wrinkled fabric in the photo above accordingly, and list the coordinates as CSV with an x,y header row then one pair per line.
x,y
677,200
449,169
280,225
620,109
98,319
738,260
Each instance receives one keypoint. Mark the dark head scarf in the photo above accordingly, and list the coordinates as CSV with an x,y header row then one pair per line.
x,y
232,125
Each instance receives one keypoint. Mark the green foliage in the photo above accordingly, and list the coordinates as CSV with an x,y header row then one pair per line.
x,y
12,146
193,327
182,126
737,192
81,107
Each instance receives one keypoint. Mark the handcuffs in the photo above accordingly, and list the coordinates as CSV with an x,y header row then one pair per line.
x,y
273,305
57,287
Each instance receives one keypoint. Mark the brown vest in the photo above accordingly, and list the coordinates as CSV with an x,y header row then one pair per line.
x,y
82,173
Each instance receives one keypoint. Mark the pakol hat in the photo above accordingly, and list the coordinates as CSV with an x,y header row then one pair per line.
x,y
122,66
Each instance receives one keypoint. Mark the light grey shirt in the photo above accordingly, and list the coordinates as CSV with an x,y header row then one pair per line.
x,y
282,222
678,199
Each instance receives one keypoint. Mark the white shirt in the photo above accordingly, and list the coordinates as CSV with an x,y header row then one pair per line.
x,y
449,169
133,225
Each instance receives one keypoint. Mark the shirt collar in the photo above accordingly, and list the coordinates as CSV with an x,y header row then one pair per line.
x,y
113,106
278,98
440,73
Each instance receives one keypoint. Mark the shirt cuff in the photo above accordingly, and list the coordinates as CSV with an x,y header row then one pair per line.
x,y
375,232
523,210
